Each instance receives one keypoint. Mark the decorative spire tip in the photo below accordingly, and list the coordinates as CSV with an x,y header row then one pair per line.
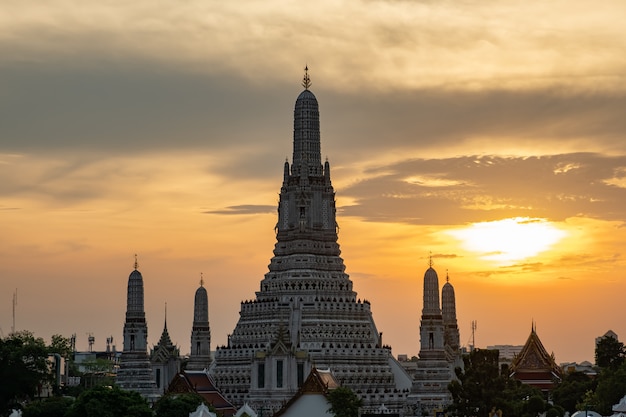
x,y
201,280
136,264
306,81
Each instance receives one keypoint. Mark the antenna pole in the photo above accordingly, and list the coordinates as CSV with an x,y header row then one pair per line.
x,y
14,305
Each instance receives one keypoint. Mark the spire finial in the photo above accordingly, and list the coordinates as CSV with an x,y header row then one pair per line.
x,y
306,81
136,264
430,260
201,280
165,326
447,276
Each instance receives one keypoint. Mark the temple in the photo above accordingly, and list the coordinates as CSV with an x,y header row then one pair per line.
x,y
306,313
534,366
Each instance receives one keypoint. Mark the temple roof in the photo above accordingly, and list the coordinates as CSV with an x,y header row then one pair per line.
x,y
200,383
318,382
534,357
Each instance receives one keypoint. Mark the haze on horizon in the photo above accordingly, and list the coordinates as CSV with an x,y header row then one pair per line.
x,y
489,134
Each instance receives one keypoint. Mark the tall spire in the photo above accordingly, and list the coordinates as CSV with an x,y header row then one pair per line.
x,y
307,159
136,264
200,356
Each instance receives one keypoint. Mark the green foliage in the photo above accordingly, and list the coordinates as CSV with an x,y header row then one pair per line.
x,y
611,388
609,353
481,388
344,402
23,369
49,407
571,390
175,405
109,402
61,345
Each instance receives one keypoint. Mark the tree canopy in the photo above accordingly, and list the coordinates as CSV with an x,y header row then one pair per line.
x,y
344,402
23,369
482,389
609,353
103,401
175,405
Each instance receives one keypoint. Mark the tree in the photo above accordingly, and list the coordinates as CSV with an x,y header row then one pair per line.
x,y
175,405
23,369
103,401
61,345
481,387
571,390
609,353
611,388
49,407
344,402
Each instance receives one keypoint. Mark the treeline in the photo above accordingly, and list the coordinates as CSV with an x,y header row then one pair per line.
x,y
26,372
484,389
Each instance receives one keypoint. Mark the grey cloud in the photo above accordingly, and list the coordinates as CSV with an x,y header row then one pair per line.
x,y
500,187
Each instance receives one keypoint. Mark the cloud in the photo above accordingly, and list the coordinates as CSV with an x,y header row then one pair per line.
x,y
501,187
244,209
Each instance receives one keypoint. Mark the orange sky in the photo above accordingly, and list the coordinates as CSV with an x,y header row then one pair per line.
x,y
490,134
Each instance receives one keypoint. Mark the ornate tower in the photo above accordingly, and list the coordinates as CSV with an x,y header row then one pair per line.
x,y
431,325
135,373
200,356
451,338
165,359
433,372
306,311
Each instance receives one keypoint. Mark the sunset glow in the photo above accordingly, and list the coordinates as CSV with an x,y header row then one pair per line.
x,y
509,240
471,134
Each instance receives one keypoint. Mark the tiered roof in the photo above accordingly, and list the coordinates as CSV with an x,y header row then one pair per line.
x,y
534,366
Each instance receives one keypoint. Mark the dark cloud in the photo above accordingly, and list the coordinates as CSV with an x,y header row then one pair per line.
x,y
483,188
140,105
244,209
130,108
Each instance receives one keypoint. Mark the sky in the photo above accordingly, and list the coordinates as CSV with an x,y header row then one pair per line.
x,y
488,136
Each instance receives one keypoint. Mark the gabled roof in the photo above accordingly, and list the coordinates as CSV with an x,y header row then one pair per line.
x,y
534,358
318,382
200,382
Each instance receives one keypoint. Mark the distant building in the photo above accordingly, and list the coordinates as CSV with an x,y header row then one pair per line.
x,y
610,333
506,353
585,367
534,366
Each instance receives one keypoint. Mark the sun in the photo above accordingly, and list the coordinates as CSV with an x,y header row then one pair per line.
x,y
510,239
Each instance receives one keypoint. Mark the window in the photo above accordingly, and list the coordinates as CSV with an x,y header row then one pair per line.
x,y
279,374
300,374
158,378
260,382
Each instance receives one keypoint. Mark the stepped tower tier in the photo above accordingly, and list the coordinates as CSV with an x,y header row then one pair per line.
x,y
306,312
